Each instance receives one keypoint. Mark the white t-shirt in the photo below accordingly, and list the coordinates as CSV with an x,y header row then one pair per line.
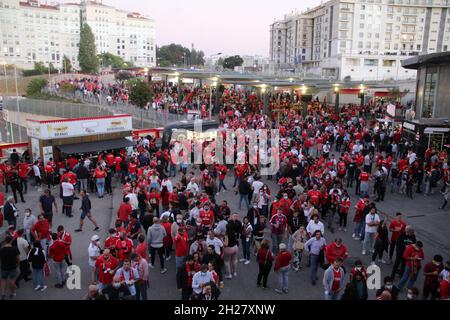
x,y
22,245
256,186
372,218
312,227
133,200
216,242
36,171
93,251
67,189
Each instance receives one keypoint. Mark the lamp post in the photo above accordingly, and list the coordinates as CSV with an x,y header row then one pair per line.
x,y
361,92
7,90
304,90
17,103
213,84
336,92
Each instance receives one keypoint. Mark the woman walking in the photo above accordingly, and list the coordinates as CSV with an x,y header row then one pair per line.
x,y
299,237
36,257
231,250
265,259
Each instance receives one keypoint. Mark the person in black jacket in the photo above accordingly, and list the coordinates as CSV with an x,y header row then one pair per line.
x,y
82,173
211,256
381,242
244,190
356,289
405,239
36,257
184,280
10,212
86,211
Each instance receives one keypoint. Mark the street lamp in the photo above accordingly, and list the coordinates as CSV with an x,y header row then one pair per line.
x,y
361,92
213,84
336,92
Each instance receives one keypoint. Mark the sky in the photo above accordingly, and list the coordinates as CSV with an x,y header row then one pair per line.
x,y
226,26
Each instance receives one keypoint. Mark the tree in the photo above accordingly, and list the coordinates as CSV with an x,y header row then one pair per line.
x,y
140,93
110,60
123,75
66,64
176,54
233,61
36,86
87,56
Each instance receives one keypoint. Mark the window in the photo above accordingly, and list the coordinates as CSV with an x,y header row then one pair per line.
x,y
361,35
371,62
429,92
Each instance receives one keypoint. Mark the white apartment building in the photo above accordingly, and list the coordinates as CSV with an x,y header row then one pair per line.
x,y
360,39
36,32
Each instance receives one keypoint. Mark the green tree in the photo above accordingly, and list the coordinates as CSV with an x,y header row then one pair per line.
x,y
140,93
40,67
176,54
67,88
36,86
110,60
123,75
87,54
233,61
66,64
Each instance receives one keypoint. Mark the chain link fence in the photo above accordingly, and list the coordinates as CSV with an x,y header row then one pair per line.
x,y
92,107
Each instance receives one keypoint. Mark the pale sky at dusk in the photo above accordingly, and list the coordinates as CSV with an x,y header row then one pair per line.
x,y
227,26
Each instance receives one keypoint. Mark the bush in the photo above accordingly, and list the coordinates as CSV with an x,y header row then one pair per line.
x,y
35,86
67,88
31,72
347,79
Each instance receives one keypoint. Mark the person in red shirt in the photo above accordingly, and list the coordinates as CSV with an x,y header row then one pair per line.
x,y
106,266
445,288
125,211
111,241
154,199
66,238
57,251
50,173
109,159
396,227
413,256
222,173
181,241
71,162
358,217
141,248
344,207
23,169
285,204
173,198
282,265
124,247
206,214
314,196
336,250
41,231
341,169
71,176
132,169
431,272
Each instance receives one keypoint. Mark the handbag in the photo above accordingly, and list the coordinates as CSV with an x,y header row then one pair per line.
x,y
299,246
47,271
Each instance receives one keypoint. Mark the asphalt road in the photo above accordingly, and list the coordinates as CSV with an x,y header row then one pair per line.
x,y
422,213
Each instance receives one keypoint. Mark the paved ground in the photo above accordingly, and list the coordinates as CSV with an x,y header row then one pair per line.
x,y
431,225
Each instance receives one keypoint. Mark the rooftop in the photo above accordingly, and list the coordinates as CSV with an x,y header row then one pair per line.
x,y
427,59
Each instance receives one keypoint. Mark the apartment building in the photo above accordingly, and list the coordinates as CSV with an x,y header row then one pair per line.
x,y
32,31
361,39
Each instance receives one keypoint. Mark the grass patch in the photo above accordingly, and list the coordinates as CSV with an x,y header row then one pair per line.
x,y
49,97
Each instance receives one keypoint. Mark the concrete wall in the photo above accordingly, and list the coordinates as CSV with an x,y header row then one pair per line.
x,y
442,107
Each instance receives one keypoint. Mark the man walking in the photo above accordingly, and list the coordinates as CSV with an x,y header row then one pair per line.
x,y
86,211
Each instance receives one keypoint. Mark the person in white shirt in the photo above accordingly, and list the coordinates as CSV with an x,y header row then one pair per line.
x,y
68,195
93,253
133,200
372,222
314,225
257,185
212,240
24,249
195,211
37,174
193,187
167,183
201,278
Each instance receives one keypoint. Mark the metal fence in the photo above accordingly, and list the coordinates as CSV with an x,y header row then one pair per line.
x,y
157,118
141,118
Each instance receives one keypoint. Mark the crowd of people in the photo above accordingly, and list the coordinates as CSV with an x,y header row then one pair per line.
x,y
294,219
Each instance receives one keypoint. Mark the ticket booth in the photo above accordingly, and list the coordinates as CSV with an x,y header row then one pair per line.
x,y
59,138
